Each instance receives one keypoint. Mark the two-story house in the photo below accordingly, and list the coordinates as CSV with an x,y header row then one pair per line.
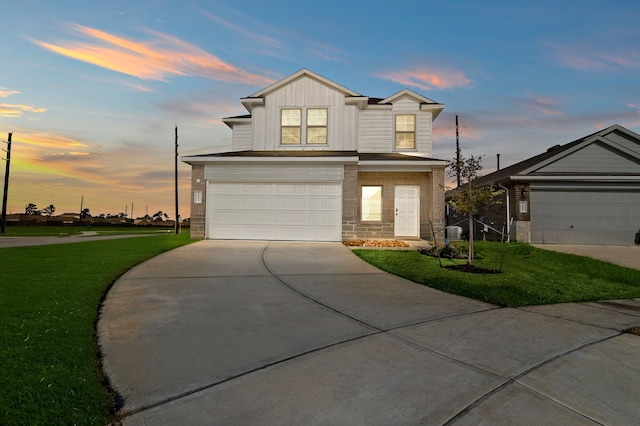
x,y
315,161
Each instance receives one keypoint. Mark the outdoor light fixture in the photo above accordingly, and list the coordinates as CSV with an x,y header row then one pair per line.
x,y
523,193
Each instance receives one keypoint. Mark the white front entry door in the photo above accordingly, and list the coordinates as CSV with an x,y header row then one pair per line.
x,y
407,211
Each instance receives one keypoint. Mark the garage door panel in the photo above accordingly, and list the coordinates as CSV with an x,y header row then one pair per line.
x,y
584,217
275,211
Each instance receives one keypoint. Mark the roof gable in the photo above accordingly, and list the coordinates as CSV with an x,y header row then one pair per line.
x,y
593,158
304,72
617,145
425,103
594,154
406,92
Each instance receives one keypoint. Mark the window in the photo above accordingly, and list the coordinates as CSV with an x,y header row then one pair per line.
x,y
371,203
317,125
405,131
291,126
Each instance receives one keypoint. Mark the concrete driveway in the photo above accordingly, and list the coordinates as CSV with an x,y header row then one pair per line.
x,y
628,256
273,333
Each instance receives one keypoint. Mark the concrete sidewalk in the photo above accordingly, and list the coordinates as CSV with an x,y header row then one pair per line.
x,y
270,333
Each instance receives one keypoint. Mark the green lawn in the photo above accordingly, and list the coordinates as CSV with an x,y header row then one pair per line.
x,y
65,231
49,301
530,276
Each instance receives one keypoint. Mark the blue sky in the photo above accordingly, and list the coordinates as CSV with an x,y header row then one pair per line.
x,y
92,90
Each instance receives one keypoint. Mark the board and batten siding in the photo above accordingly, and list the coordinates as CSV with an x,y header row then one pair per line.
x,y
593,158
305,93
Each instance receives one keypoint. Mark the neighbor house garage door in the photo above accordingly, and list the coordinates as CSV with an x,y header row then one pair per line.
x,y
275,211
584,217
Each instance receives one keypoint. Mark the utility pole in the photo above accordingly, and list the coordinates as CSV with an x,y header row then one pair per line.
x,y
132,211
176,169
458,165
3,224
81,205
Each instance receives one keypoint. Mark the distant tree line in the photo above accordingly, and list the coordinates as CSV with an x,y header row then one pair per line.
x,y
32,210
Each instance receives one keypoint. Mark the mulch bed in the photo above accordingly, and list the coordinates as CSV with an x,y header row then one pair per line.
x,y
472,269
375,243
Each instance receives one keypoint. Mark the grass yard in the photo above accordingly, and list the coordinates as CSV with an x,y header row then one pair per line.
x,y
65,231
49,300
530,276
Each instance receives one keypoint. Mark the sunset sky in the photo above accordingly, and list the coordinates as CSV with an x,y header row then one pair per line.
x,y
92,90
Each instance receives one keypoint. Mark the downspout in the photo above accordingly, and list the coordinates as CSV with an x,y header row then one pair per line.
x,y
508,217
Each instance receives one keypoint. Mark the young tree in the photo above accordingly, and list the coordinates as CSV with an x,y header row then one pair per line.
x,y
468,198
85,213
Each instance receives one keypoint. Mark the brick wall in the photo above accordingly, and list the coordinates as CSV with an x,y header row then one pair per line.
x,y
437,206
495,215
350,202
198,211
388,181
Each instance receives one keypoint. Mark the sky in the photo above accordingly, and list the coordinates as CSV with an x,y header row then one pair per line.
x,y
92,90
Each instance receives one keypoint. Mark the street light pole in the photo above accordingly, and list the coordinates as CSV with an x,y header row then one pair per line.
x,y
3,224
177,229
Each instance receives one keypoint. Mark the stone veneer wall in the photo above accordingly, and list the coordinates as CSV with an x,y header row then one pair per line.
x,y
198,211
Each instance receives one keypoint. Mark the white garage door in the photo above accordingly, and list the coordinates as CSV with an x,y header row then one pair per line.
x,y
275,211
584,217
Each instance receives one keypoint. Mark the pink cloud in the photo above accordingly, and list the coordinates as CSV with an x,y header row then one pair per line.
x,y
588,58
427,78
5,93
158,59
261,39
542,104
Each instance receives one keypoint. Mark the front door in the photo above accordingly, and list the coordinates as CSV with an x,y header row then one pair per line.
x,y
407,211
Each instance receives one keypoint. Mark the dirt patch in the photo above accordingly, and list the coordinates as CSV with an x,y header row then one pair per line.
x,y
375,243
471,269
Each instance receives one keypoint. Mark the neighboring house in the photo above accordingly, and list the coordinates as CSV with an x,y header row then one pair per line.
x,y
315,161
583,192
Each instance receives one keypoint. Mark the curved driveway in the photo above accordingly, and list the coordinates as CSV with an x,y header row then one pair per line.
x,y
275,333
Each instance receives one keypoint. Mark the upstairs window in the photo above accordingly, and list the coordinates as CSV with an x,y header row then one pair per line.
x,y
317,125
405,131
371,203
291,126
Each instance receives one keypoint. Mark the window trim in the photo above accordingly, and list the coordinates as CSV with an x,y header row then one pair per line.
x,y
289,126
325,126
305,126
362,204
396,132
